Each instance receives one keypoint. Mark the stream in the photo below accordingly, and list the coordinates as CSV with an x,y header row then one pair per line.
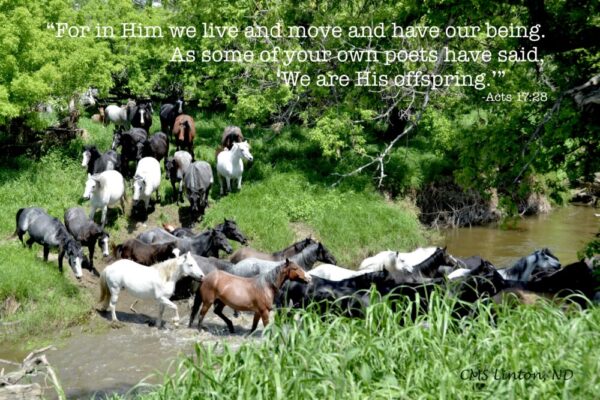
x,y
113,360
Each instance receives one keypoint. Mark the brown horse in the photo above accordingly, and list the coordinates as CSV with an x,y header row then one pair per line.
x,y
184,130
246,294
143,253
231,134
292,250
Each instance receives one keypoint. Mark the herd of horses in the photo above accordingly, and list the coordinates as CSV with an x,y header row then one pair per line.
x,y
131,144
167,263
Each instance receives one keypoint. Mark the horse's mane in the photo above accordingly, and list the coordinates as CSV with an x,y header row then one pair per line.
x,y
167,268
269,278
430,261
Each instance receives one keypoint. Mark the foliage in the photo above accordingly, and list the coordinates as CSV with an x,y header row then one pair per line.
x,y
390,355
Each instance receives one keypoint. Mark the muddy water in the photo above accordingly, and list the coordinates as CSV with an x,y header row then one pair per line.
x,y
121,355
564,231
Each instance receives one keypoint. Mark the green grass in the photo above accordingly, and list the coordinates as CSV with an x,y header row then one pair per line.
x,y
389,356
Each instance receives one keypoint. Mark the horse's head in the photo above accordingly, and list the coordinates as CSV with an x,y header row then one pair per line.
x,y
117,137
91,185
244,148
189,266
196,199
230,229
170,167
103,242
179,105
139,184
294,272
219,240
87,155
324,255
547,260
74,254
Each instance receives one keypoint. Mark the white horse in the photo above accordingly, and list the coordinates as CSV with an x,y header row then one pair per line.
x,y
155,282
119,115
103,190
380,261
335,273
230,165
146,180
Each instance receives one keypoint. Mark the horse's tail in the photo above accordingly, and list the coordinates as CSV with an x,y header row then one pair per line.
x,y
104,292
117,250
17,222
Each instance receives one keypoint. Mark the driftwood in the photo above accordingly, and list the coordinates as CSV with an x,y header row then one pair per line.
x,y
36,362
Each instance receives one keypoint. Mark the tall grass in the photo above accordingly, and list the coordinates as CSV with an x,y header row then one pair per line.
x,y
388,355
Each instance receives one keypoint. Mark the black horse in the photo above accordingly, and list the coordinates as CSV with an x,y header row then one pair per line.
x,y
97,162
86,232
141,116
228,227
50,232
157,146
132,146
168,113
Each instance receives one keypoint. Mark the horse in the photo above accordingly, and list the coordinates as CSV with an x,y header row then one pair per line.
x,y
305,258
228,227
155,282
141,116
184,130
382,260
246,294
168,113
142,253
99,118
175,167
248,252
521,271
207,243
230,165
198,180
345,296
97,162
103,190
49,232
132,146
157,146
146,181
334,272
119,115
86,232
231,134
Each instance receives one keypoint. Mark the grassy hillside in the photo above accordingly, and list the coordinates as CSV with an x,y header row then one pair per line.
x,y
285,197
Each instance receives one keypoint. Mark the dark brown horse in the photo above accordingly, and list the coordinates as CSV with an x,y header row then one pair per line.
x,y
143,253
246,294
292,250
231,134
184,130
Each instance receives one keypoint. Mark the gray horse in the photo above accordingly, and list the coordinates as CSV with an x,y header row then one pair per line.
x,y
86,232
49,232
198,180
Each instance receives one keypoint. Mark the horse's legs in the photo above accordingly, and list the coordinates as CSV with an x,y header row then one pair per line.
x,y
161,310
61,254
239,183
218,310
103,220
255,322
164,301
114,296
30,242
195,307
46,252
205,306
228,184
20,234
264,314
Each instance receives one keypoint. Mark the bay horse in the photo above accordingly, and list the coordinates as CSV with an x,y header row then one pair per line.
x,y
155,282
143,253
246,294
184,130
249,252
